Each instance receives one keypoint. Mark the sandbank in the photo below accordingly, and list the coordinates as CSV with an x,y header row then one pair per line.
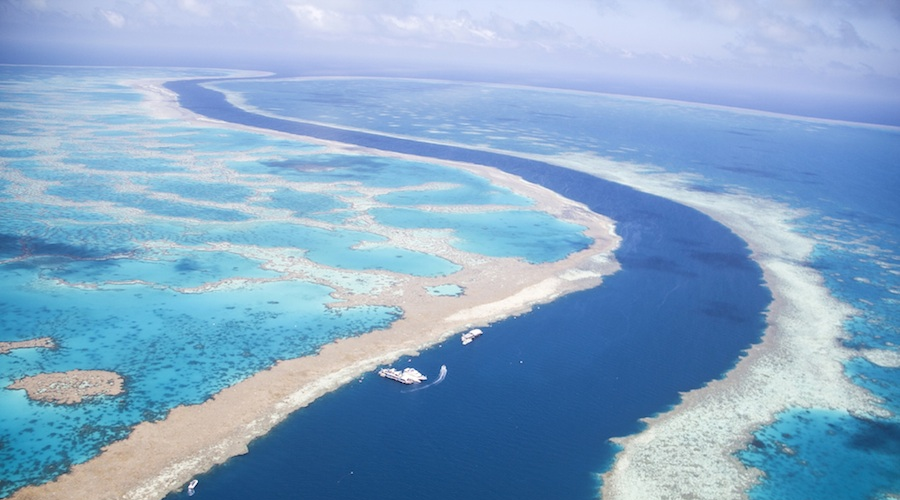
x,y
688,452
70,387
159,457
42,342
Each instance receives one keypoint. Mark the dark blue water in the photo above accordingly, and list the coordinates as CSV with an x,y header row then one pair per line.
x,y
527,410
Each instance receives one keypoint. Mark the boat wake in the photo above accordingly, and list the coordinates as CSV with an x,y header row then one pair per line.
x,y
441,376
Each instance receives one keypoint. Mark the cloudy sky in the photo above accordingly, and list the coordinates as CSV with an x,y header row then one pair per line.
x,y
845,49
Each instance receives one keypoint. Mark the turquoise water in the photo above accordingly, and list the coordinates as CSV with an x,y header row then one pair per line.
x,y
456,196
207,191
536,236
173,269
843,175
218,140
446,290
798,455
382,172
313,205
144,246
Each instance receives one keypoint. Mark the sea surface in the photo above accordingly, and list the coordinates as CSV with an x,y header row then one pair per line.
x,y
527,410
539,444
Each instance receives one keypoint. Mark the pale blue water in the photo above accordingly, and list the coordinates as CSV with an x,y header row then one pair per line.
x,y
176,269
548,239
115,225
207,191
846,177
311,205
798,453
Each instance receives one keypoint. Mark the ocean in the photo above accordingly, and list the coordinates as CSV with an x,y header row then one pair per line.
x,y
528,409
843,176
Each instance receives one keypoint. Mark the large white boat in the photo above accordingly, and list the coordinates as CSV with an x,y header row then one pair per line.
x,y
407,376
468,337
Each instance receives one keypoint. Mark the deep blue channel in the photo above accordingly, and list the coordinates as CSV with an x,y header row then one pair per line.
x,y
526,411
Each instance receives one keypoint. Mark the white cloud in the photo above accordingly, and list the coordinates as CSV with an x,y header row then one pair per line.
x,y
196,7
366,7
149,8
310,14
113,18
792,25
399,24
332,24
737,36
432,29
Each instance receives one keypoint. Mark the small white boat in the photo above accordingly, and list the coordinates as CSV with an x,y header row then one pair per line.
x,y
191,486
467,338
407,376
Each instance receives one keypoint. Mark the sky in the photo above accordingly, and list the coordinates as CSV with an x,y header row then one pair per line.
x,y
837,57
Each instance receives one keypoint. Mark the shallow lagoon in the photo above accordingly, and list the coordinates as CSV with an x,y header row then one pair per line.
x,y
122,242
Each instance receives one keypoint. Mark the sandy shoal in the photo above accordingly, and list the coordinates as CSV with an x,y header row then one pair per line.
x,y
163,456
70,387
42,342
688,452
